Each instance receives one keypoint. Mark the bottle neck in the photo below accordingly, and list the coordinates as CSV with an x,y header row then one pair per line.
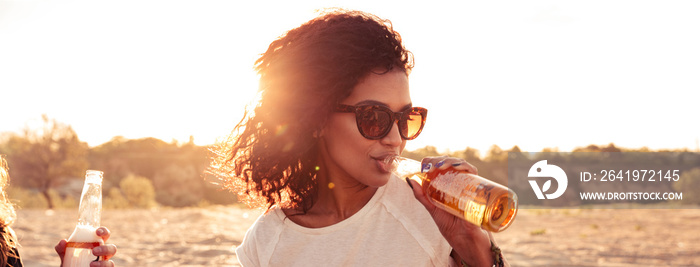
x,y
405,167
90,210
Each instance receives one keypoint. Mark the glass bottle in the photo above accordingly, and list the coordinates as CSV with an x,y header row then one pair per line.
x,y
84,237
470,197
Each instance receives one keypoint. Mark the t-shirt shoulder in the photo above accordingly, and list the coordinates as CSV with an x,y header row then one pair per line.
x,y
256,244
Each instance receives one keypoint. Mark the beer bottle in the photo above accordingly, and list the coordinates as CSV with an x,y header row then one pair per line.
x,y
84,237
473,198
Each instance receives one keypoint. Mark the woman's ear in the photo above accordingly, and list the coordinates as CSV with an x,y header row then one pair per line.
x,y
318,133
320,130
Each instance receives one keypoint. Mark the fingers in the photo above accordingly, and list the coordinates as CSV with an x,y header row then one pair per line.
x,y
102,264
61,249
417,191
106,251
420,196
442,163
103,232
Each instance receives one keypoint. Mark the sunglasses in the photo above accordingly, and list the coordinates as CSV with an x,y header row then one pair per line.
x,y
375,122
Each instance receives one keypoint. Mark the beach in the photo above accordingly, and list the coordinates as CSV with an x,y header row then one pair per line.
x,y
208,236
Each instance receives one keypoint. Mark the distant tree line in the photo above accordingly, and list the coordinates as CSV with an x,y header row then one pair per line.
x,y
51,161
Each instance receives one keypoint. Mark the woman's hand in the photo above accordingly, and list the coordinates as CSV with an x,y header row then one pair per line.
x,y
106,251
468,241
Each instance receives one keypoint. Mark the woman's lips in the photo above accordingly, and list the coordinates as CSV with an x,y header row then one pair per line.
x,y
384,163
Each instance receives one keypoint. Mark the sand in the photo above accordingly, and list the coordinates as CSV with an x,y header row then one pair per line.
x,y
208,236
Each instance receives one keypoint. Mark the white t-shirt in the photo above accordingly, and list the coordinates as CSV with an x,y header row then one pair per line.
x,y
392,229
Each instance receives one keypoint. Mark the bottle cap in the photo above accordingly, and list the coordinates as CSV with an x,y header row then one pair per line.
x,y
93,176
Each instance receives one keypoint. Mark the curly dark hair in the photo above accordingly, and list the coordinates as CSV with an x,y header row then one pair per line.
x,y
271,156
8,239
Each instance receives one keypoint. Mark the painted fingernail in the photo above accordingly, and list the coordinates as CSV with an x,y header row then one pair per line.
x,y
409,183
456,164
100,231
426,167
440,164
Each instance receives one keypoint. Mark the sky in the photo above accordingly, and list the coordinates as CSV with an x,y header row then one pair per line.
x,y
537,74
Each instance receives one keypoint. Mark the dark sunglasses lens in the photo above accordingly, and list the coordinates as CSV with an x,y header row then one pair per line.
x,y
411,124
374,122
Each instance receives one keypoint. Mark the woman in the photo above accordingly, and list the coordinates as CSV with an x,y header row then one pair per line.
x,y
334,104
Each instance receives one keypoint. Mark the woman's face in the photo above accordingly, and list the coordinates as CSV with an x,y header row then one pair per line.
x,y
349,155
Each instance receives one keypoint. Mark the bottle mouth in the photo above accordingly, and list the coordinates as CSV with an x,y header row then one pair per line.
x,y
392,163
93,176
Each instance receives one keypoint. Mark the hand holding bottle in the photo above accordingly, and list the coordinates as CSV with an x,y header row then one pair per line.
x,y
86,245
468,240
105,252
452,185
461,230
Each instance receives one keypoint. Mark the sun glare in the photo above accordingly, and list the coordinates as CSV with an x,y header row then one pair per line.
x,y
536,75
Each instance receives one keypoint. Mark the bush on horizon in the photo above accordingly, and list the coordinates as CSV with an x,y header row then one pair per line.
x,y
138,191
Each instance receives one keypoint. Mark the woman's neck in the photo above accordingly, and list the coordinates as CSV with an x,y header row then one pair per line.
x,y
339,196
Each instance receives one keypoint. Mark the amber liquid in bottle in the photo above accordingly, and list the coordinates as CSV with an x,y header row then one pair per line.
x,y
471,197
